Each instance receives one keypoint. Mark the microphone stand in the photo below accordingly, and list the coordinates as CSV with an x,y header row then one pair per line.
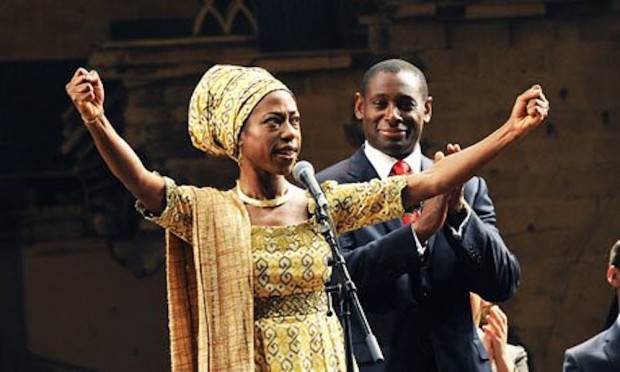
x,y
348,292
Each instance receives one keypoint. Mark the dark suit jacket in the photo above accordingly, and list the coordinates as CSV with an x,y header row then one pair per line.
x,y
414,305
601,353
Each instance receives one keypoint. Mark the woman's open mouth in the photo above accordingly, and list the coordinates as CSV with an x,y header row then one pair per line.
x,y
288,152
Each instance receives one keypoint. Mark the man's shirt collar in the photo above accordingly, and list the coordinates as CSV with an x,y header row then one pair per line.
x,y
383,163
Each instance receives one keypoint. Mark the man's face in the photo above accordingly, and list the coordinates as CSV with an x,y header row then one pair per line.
x,y
393,111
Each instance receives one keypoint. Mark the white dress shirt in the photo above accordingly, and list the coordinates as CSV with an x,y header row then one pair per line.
x,y
383,164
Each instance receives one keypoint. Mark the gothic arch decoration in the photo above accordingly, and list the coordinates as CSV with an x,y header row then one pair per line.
x,y
235,11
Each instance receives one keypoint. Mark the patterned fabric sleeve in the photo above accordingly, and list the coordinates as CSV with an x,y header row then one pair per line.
x,y
356,205
177,217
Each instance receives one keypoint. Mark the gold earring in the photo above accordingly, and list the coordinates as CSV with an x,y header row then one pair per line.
x,y
239,156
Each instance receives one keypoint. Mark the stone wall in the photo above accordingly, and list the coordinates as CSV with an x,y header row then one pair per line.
x,y
44,30
556,192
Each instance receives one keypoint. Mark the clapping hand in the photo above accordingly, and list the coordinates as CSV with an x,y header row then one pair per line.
x,y
496,338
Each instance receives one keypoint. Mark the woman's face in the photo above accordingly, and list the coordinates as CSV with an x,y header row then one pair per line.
x,y
271,137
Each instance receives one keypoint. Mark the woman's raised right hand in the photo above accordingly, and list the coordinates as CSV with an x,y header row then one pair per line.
x,y
86,91
530,110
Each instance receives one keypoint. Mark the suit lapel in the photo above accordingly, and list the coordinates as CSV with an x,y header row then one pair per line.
x,y
360,170
612,344
426,163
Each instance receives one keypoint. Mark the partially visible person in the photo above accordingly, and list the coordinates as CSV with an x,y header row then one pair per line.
x,y
246,267
612,312
492,326
414,274
601,353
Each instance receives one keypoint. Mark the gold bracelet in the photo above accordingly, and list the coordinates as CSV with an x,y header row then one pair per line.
x,y
462,209
94,119
461,206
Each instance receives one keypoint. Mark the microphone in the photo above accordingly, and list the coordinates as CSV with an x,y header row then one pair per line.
x,y
303,172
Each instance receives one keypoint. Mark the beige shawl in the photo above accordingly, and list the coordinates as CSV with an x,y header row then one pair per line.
x,y
210,298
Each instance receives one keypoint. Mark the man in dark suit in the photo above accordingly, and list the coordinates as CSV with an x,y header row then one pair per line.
x,y
601,353
414,279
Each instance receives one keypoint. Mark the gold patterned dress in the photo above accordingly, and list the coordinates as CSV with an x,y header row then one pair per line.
x,y
292,331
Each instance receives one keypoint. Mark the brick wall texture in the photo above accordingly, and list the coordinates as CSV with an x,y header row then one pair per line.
x,y
556,192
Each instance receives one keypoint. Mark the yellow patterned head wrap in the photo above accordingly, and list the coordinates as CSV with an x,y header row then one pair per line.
x,y
222,101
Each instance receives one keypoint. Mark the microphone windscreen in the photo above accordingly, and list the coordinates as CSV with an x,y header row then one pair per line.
x,y
302,167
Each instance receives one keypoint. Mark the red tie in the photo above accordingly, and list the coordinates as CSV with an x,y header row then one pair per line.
x,y
401,167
